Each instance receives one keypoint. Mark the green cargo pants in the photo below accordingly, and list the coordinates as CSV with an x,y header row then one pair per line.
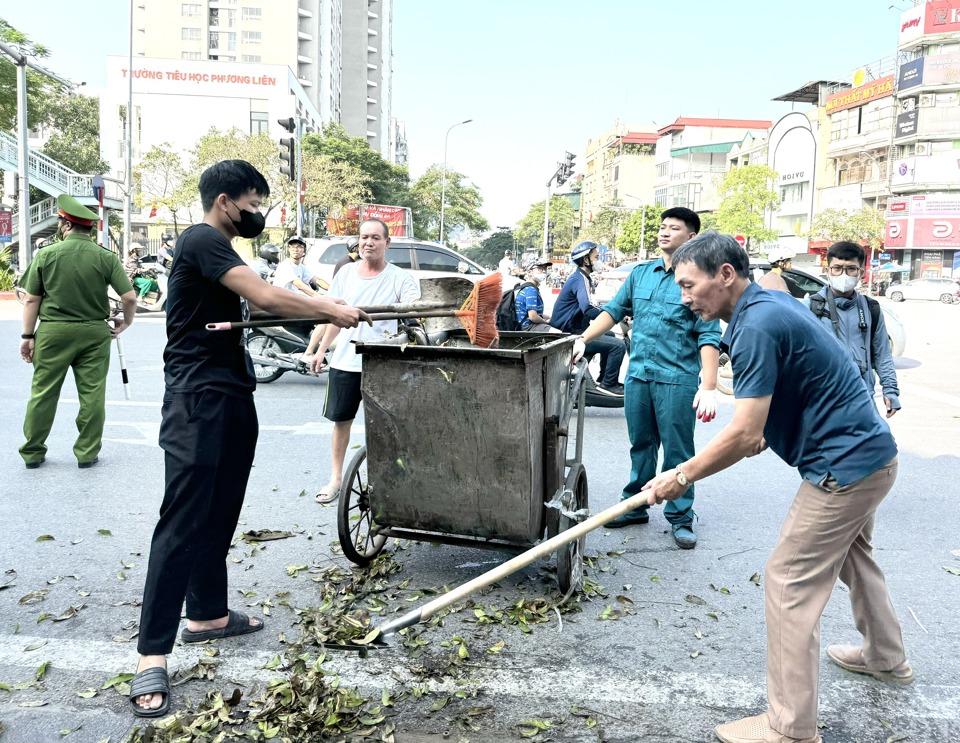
x,y
85,346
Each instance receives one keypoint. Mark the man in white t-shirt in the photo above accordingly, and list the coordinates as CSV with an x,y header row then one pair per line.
x,y
292,274
369,281
506,266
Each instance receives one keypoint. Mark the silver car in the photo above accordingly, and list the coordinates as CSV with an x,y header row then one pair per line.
x,y
943,290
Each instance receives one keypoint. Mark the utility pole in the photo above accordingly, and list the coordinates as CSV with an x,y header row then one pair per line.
x,y
561,175
128,179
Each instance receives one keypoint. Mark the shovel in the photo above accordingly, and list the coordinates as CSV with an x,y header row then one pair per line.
x,y
383,635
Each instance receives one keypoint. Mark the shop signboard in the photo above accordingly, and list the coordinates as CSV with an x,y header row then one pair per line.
x,y
941,17
896,233
911,25
852,97
941,69
907,124
911,74
936,232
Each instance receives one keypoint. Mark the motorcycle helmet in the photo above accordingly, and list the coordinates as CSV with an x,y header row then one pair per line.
x,y
270,253
582,251
353,244
536,263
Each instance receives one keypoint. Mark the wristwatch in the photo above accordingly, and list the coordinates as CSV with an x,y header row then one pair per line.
x,y
27,336
681,478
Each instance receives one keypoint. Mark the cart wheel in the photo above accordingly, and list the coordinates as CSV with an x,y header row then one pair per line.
x,y
570,556
358,539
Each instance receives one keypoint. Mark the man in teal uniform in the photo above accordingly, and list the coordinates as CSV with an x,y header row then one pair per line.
x,y
66,287
672,373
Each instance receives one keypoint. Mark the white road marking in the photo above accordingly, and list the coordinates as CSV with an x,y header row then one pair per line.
x,y
150,430
919,391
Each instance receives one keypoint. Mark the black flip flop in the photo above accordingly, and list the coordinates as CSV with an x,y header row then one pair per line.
x,y
238,623
150,681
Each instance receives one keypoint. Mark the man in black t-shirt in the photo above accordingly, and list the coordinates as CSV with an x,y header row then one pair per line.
x,y
209,424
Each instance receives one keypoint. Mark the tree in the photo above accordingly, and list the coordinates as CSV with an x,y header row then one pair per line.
x,y
160,179
491,250
331,183
75,141
866,224
530,228
40,88
708,221
647,218
462,203
386,183
607,224
746,197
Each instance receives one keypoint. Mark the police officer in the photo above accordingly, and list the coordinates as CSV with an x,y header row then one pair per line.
x,y
66,289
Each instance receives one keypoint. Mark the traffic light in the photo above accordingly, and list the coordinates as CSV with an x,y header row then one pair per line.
x,y
568,166
550,240
288,158
289,124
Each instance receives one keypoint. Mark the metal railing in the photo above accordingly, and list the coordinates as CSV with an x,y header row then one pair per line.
x,y
53,177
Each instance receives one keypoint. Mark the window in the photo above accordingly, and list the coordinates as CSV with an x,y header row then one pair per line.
x,y
189,34
616,172
663,170
251,37
399,256
190,55
258,123
430,259
251,14
793,193
660,196
189,9
253,58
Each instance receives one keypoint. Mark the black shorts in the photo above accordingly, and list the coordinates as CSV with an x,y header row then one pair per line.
x,y
343,396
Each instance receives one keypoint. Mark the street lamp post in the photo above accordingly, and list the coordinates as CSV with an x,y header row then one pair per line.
x,y
443,178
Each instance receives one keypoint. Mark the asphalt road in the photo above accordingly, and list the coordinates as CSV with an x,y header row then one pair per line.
x,y
685,657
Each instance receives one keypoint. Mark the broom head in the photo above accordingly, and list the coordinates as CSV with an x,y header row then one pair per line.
x,y
479,313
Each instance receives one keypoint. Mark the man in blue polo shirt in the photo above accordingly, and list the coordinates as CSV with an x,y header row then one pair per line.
x,y
669,347
798,392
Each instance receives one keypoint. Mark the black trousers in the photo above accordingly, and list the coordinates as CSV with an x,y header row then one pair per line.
x,y
611,350
209,439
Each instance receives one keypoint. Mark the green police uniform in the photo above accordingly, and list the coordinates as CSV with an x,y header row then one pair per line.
x,y
72,278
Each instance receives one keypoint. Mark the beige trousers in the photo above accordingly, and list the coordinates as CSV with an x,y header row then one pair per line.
x,y
827,534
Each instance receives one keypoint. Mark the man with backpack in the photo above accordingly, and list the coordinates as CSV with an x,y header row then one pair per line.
x,y
857,321
529,302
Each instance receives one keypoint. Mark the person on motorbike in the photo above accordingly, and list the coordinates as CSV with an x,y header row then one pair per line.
x,y
575,309
143,280
529,301
165,254
292,274
269,258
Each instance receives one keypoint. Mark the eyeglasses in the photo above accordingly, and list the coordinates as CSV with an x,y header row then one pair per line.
x,y
849,270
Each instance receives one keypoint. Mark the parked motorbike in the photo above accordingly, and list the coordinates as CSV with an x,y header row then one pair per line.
x,y
277,350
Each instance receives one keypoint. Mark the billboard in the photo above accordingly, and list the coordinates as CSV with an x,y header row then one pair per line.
x,y
906,124
941,69
936,232
941,16
911,25
198,77
347,220
853,97
896,233
911,74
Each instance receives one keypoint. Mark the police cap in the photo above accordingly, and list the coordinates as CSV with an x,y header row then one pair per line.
x,y
72,210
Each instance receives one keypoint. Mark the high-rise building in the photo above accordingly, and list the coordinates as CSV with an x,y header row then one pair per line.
x,y
339,50
367,71
618,169
398,142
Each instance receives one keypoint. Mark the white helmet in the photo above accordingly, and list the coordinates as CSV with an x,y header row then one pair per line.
x,y
776,255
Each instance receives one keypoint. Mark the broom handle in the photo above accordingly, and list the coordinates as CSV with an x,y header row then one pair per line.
x,y
382,312
415,616
386,315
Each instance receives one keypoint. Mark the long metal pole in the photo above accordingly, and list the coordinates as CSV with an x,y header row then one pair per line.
x,y
299,176
546,224
23,166
128,179
443,177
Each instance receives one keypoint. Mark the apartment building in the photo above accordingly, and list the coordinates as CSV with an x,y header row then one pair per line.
x,y
340,51
691,158
618,168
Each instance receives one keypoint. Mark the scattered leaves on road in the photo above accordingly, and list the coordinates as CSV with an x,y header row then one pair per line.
x,y
755,579
46,538
266,535
34,597
105,532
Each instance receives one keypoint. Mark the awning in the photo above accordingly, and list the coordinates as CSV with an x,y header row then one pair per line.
x,y
719,147
892,267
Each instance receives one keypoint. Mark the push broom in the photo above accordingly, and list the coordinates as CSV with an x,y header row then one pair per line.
x,y
478,314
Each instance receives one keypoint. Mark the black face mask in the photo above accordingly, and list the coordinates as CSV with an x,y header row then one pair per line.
x,y
251,224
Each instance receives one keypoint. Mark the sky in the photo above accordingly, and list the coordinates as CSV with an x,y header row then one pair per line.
x,y
540,77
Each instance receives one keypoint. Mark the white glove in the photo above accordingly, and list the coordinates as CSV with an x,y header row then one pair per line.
x,y
705,402
579,348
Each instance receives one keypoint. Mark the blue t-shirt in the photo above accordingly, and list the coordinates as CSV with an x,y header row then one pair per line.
x,y
528,299
822,419
666,336
573,311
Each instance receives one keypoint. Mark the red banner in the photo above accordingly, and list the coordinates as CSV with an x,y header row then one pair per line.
x,y
941,17
936,232
852,97
896,234
346,220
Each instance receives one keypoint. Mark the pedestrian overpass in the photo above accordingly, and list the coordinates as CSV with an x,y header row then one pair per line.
x,y
51,177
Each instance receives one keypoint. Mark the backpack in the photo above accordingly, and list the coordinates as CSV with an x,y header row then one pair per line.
x,y
507,309
818,305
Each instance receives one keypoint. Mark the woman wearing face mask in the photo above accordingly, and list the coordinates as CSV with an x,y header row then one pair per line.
x,y
857,321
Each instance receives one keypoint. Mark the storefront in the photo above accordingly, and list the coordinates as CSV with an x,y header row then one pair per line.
x,y
924,231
